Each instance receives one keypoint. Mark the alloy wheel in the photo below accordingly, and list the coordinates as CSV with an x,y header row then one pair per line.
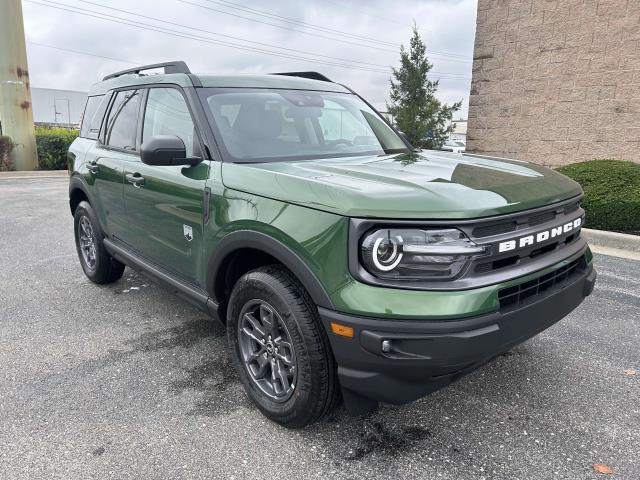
x,y
267,350
86,238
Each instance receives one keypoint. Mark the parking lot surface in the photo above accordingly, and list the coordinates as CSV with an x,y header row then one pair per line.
x,y
126,381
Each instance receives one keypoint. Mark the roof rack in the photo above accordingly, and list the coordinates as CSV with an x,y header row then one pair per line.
x,y
169,67
310,75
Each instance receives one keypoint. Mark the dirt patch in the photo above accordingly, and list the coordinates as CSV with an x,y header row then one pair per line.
x,y
182,336
217,380
98,451
381,440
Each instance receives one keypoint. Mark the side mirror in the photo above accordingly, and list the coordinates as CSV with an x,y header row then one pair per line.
x,y
166,150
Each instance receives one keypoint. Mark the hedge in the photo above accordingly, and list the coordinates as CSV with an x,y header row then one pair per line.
x,y
53,144
611,193
6,146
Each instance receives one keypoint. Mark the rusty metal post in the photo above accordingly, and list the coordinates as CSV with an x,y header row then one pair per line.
x,y
16,113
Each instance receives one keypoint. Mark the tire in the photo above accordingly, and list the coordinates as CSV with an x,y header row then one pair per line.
x,y
313,386
98,266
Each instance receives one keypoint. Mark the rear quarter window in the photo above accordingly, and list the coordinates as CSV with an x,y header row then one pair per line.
x,y
93,115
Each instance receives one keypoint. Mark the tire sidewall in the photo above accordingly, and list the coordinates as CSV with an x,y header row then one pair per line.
x,y
252,288
84,209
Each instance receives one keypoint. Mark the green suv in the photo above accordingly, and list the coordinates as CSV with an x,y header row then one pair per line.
x,y
343,262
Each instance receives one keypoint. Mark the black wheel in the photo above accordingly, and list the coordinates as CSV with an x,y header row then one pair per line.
x,y
280,348
97,264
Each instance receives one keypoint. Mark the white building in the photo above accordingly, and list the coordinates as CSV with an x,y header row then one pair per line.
x,y
459,131
57,107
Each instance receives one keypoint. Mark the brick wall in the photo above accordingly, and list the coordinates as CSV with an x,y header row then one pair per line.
x,y
556,81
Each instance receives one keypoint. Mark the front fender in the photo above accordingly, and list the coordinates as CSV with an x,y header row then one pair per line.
x,y
242,239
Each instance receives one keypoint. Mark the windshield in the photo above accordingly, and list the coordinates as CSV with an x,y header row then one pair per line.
x,y
258,125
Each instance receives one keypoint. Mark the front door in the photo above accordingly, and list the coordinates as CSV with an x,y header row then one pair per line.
x,y
164,204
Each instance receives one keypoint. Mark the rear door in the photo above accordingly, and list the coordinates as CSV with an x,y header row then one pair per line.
x,y
164,204
116,143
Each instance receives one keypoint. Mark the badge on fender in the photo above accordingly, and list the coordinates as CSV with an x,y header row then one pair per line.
x,y
188,232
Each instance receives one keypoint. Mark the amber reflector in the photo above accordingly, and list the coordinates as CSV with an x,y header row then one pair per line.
x,y
342,330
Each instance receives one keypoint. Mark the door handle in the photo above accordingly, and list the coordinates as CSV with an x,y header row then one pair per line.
x,y
93,167
136,179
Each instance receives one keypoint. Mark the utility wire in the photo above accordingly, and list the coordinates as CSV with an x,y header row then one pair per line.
x,y
233,37
310,26
37,44
262,13
125,21
287,28
156,28
119,20
96,55
303,52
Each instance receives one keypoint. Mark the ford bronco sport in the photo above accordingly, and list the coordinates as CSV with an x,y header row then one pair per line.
x,y
343,262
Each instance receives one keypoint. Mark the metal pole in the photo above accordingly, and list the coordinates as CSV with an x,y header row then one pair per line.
x,y
16,113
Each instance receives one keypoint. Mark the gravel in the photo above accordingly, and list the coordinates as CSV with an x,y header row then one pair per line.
x,y
126,381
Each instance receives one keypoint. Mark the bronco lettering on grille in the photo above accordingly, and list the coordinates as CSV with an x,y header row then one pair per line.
x,y
539,237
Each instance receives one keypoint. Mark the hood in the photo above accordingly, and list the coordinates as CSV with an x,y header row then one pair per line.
x,y
425,185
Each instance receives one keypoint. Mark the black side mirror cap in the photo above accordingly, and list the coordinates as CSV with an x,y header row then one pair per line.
x,y
166,150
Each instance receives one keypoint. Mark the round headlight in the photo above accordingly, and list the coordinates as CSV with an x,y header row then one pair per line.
x,y
417,254
387,253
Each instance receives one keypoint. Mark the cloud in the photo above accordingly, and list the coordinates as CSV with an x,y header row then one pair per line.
x,y
447,26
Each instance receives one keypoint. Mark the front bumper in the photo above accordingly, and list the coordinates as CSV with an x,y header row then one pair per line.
x,y
425,356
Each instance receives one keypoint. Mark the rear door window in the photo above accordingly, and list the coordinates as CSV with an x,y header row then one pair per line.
x,y
122,124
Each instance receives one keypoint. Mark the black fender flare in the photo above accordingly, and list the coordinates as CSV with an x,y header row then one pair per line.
x,y
77,183
256,240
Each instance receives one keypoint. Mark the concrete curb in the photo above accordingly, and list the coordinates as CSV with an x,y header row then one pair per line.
x,y
612,240
34,174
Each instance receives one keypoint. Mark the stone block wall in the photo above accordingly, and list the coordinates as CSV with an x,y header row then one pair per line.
x,y
556,81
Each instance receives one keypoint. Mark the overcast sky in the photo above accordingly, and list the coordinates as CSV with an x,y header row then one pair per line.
x,y
353,42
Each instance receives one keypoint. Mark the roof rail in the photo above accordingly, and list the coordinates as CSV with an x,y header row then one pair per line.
x,y
169,67
310,75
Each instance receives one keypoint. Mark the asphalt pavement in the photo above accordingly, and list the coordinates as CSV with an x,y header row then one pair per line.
x,y
125,381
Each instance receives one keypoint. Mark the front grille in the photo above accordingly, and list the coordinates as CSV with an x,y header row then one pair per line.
x,y
515,245
571,208
523,221
504,262
496,229
541,218
531,291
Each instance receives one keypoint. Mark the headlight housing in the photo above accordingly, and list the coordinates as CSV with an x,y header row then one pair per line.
x,y
417,254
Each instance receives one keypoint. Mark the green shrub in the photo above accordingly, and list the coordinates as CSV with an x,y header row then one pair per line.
x,y
6,146
53,144
611,193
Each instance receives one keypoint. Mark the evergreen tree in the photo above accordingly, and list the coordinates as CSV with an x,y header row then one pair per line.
x,y
416,111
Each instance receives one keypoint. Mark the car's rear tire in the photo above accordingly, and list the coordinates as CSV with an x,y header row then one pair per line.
x,y
273,325
98,265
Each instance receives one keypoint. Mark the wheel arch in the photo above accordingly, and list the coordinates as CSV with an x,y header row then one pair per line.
x,y
77,192
241,241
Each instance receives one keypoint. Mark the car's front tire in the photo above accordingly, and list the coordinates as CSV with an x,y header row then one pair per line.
x,y
96,262
280,348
